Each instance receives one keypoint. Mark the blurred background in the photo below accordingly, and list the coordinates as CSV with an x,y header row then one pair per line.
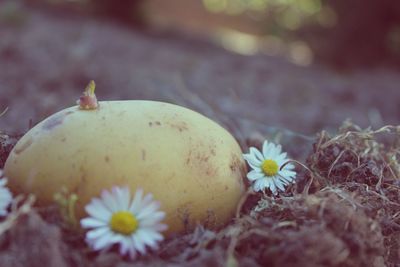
x,y
341,33
255,66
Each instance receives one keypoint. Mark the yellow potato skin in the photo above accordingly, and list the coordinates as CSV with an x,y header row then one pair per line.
x,y
189,163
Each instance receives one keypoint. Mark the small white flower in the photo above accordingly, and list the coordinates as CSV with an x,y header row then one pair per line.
x,y
267,172
5,195
116,219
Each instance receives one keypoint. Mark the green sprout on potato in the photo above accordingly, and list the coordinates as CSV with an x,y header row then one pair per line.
x,y
67,202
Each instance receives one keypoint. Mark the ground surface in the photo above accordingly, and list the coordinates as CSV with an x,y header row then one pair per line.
x,y
46,60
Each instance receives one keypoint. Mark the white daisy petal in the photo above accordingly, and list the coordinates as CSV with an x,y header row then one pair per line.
x,y
92,223
150,238
154,218
269,151
132,249
122,197
254,167
278,149
289,166
284,180
257,154
136,200
281,159
138,243
117,239
254,175
270,182
98,232
115,219
103,241
124,246
98,210
3,182
258,185
265,148
109,201
5,195
272,187
146,200
252,159
148,211
279,184
264,184
287,173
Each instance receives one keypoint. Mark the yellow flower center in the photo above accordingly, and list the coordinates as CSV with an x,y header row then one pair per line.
x,y
123,222
270,167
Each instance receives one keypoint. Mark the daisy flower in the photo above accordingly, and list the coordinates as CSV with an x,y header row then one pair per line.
x,y
267,168
5,195
115,219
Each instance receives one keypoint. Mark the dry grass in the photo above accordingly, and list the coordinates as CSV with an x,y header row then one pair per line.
x,y
344,210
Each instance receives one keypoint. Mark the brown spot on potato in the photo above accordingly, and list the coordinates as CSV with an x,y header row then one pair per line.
x,y
235,163
201,161
143,154
211,171
211,219
213,152
237,167
20,147
183,212
188,157
63,139
157,123
107,159
180,126
203,158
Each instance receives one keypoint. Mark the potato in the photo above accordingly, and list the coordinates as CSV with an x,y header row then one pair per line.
x,y
189,163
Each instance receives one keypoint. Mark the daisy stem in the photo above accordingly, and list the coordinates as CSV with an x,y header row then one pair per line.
x,y
73,198
66,202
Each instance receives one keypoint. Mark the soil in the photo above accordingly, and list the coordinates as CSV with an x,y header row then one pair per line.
x,y
343,210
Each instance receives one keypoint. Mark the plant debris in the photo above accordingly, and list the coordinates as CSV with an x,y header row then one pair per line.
x,y
344,210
